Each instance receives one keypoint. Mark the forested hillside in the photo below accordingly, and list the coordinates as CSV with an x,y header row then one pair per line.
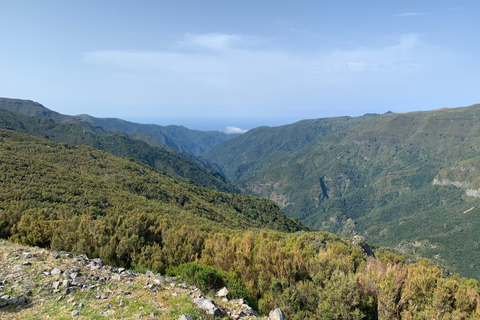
x,y
177,137
86,201
241,157
161,157
81,181
377,178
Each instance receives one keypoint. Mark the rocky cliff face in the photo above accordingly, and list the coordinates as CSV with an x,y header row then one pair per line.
x,y
36,283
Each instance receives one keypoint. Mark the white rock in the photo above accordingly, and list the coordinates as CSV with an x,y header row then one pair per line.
x,y
56,271
208,305
277,314
222,292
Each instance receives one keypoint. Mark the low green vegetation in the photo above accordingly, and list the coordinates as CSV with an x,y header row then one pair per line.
x,y
179,138
208,279
160,157
374,178
250,152
86,201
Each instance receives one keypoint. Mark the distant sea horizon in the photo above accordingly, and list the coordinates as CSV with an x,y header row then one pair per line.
x,y
216,123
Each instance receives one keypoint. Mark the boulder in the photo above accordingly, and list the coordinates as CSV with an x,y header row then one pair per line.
x,y
277,314
19,267
56,272
208,305
360,242
97,262
26,255
222,292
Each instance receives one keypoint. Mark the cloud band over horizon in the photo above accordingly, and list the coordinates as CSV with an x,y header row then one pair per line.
x,y
228,70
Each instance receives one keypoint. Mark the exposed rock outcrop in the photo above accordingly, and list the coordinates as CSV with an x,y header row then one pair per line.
x,y
55,285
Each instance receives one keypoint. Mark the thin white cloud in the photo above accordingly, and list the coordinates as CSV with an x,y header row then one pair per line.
x,y
398,56
237,61
234,130
214,41
411,14
221,70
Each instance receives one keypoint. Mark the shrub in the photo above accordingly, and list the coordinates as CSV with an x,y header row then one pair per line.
x,y
207,278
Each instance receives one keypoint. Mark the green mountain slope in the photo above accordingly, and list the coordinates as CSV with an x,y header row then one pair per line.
x,y
89,202
49,180
194,142
177,137
118,145
377,179
244,155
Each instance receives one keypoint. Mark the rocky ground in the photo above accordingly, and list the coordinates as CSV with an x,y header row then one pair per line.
x,y
38,284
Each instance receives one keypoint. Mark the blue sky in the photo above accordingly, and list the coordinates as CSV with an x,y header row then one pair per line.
x,y
212,64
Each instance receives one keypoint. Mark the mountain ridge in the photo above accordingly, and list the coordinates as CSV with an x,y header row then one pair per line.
x,y
162,157
376,179
178,137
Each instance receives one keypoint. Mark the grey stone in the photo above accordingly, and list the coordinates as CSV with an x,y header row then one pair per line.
x,y
149,273
3,302
77,283
277,314
159,280
19,267
97,262
67,291
56,272
26,255
222,292
122,303
208,305
360,242
186,317
75,313
108,312
151,285
128,273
